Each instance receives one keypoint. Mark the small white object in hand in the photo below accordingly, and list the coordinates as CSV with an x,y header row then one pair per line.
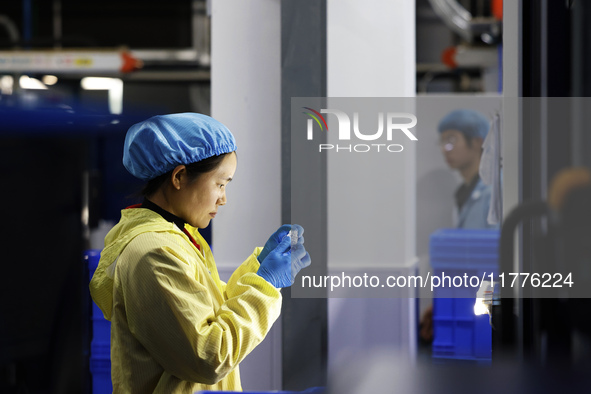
x,y
294,236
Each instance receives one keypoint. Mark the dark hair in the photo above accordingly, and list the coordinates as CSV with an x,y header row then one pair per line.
x,y
194,170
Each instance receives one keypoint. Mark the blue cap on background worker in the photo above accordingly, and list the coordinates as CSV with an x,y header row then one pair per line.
x,y
175,324
469,122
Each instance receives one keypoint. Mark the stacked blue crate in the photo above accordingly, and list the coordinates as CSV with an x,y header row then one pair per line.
x,y
100,347
458,333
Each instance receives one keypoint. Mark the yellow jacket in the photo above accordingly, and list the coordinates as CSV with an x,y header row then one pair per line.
x,y
176,327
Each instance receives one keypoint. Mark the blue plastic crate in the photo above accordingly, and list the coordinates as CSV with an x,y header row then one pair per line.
x,y
100,347
459,252
100,368
101,328
463,336
458,333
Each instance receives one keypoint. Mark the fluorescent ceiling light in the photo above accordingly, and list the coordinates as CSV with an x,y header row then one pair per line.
x,y
49,79
113,85
99,83
26,82
6,84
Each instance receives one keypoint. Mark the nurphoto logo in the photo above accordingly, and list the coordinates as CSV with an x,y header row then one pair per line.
x,y
395,122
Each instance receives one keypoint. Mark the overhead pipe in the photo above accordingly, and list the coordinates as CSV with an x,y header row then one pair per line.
x,y
10,28
461,21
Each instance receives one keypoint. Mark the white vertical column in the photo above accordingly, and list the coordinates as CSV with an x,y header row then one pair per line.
x,y
371,53
371,48
245,95
512,80
511,134
245,90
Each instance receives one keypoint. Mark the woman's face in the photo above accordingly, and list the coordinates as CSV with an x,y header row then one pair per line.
x,y
457,152
198,201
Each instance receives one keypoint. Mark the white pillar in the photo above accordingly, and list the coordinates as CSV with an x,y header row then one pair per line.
x,y
371,53
245,95
512,123
512,79
371,48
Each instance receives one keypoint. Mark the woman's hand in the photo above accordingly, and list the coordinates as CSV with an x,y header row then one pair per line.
x,y
276,238
281,266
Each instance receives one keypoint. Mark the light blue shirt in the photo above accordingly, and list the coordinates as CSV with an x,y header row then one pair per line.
x,y
474,212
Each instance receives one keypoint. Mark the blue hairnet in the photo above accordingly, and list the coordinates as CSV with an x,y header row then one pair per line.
x,y
157,145
468,122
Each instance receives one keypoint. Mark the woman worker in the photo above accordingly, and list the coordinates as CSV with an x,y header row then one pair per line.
x,y
176,327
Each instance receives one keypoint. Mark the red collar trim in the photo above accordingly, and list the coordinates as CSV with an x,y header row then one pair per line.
x,y
192,239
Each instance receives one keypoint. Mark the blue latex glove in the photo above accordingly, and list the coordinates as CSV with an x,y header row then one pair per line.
x,y
276,238
283,263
